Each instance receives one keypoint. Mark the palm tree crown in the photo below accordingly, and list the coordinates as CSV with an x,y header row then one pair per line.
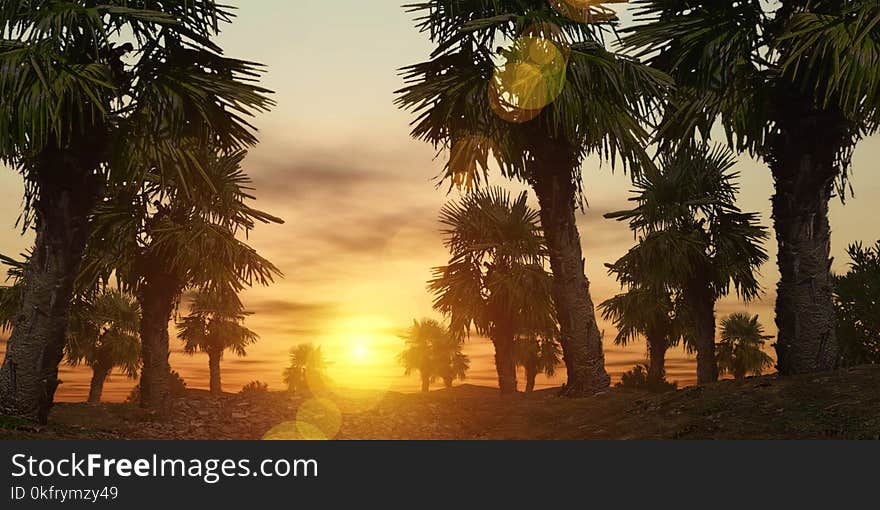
x,y
740,351
495,281
433,351
306,370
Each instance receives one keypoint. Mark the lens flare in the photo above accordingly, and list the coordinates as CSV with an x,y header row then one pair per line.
x,y
532,76
317,419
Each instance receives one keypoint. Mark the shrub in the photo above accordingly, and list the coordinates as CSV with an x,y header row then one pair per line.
x,y
254,387
637,379
177,386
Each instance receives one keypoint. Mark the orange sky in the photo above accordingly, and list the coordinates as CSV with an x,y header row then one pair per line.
x,y
360,205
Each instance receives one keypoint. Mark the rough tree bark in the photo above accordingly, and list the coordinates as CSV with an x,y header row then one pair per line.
x,y
426,383
157,296
214,356
505,362
531,375
657,348
551,175
68,191
701,301
96,387
804,170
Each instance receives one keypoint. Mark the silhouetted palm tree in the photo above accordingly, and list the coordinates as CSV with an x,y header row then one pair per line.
x,y
160,237
694,241
648,312
857,297
214,325
448,360
537,355
420,352
495,280
103,335
538,106
96,93
741,349
307,368
792,82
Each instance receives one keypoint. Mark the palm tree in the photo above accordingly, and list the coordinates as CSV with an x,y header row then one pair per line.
x,y
160,237
96,93
214,325
740,351
495,280
694,240
558,96
537,355
795,83
418,354
447,359
857,299
103,335
307,367
648,312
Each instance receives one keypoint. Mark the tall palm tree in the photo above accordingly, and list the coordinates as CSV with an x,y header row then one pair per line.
x,y
213,326
794,83
94,93
307,367
694,240
495,280
537,355
645,311
740,351
532,86
159,238
103,335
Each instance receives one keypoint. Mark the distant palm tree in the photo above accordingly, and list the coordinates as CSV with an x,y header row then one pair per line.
x,y
741,349
307,367
537,355
448,360
644,311
433,351
495,280
214,325
693,241
96,93
103,335
532,85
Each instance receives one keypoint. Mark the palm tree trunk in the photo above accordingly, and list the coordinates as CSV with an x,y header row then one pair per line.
x,y
156,297
426,383
214,356
701,301
447,382
531,375
96,388
657,348
505,361
29,375
551,176
804,171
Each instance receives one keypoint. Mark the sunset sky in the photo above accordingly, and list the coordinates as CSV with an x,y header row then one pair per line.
x,y
360,205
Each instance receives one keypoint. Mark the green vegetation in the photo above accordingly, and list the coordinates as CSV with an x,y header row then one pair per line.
x,y
857,301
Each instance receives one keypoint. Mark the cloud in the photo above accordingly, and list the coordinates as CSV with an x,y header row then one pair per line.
x,y
279,307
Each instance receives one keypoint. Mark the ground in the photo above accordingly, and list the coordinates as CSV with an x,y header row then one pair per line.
x,y
835,405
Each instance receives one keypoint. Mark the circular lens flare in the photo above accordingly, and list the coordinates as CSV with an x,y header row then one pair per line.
x,y
532,77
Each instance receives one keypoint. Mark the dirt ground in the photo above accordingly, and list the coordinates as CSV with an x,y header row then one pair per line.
x,y
835,405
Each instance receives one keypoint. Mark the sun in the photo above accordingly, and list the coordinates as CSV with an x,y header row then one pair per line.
x,y
360,351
